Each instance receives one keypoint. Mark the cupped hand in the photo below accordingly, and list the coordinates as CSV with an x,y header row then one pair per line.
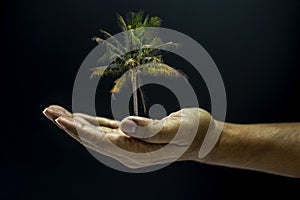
x,y
137,134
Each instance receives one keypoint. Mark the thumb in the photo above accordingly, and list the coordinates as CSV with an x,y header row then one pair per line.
x,y
150,130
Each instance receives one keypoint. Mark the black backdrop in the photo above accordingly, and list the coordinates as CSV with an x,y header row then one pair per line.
x,y
254,43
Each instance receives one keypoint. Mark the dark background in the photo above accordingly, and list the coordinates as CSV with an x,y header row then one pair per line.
x,y
254,43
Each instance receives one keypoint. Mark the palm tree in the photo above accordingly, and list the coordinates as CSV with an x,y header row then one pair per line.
x,y
147,54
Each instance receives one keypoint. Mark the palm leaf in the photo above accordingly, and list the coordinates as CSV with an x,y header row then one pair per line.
x,y
155,41
159,69
149,59
97,39
113,48
146,20
151,42
134,20
105,33
119,83
135,41
131,62
166,45
155,21
122,22
110,55
112,51
105,70
98,71
117,42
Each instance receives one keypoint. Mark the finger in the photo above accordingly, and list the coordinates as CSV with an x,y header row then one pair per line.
x,y
70,131
101,128
149,130
99,121
84,131
54,111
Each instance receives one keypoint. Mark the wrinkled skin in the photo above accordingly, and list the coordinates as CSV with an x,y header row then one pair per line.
x,y
132,133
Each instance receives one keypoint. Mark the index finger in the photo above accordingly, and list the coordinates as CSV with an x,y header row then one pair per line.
x,y
99,121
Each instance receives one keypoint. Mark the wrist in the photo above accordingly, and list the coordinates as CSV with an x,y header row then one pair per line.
x,y
220,137
209,131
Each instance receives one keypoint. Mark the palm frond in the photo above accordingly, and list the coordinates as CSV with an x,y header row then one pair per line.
x,y
98,71
135,41
113,51
140,33
105,70
131,62
149,59
146,20
114,40
97,39
151,42
150,37
159,69
155,41
108,57
116,56
167,45
119,83
155,21
134,19
113,48
105,33
121,22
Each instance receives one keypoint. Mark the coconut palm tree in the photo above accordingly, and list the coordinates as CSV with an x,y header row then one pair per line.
x,y
148,54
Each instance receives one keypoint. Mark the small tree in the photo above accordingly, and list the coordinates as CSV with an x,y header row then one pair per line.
x,y
148,54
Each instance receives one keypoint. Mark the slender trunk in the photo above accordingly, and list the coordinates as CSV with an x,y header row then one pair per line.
x,y
134,82
134,89
141,92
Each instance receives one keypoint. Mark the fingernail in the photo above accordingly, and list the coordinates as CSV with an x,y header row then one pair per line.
x,y
60,125
128,126
45,112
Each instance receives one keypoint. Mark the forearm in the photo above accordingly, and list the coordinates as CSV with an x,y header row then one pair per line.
x,y
273,148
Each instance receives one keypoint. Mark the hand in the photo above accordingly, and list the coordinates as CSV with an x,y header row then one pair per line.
x,y
132,135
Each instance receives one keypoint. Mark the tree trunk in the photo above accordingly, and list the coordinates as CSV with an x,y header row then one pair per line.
x,y
141,92
134,89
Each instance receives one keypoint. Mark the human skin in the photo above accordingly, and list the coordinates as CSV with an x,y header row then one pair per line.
x,y
272,148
